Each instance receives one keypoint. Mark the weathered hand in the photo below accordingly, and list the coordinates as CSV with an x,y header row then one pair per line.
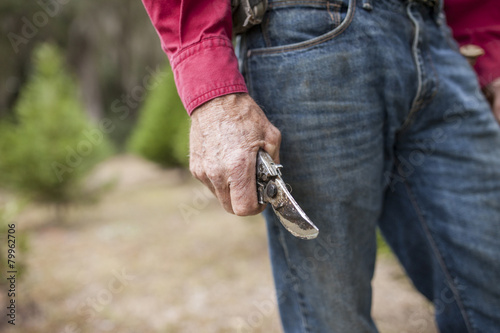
x,y
492,92
226,134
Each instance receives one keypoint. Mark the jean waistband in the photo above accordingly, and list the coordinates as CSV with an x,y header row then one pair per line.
x,y
429,3
435,6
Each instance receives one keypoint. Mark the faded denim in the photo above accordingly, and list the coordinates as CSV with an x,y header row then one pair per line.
x,y
383,123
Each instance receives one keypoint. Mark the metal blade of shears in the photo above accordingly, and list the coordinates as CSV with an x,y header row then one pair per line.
x,y
272,189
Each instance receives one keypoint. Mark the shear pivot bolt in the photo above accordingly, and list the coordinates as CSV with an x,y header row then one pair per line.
x,y
271,190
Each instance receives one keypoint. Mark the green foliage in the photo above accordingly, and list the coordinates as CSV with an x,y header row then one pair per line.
x,y
162,132
382,246
50,146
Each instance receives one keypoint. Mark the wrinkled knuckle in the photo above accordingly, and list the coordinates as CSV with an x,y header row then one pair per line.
x,y
275,135
215,175
278,133
240,181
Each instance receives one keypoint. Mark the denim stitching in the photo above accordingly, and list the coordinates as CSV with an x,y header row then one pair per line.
x,y
439,258
315,41
419,101
417,55
335,13
298,293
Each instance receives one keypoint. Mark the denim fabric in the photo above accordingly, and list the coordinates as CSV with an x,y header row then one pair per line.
x,y
382,123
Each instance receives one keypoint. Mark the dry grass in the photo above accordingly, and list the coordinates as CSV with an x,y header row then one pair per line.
x,y
184,265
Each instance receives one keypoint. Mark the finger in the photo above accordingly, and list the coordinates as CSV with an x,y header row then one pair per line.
x,y
244,198
202,177
243,188
221,189
210,187
218,188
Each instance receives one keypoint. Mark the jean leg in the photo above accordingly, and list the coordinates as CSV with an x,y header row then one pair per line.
x,y
443,221
330,96
323,285
442,206
333,155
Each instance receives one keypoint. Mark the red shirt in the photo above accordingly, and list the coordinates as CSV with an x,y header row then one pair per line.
x,y
196,35
477,22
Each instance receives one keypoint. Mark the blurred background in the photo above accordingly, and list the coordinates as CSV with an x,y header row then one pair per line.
x,y
111,232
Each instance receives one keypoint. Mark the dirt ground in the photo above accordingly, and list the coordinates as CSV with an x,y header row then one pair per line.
x,y
158,254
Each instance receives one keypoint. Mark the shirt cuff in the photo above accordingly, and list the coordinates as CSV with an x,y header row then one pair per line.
x,y
206,70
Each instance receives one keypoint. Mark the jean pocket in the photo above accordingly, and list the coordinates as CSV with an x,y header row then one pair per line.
x,y
296,24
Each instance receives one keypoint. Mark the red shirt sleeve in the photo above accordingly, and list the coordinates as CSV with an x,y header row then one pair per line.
x,y
196,35
478,23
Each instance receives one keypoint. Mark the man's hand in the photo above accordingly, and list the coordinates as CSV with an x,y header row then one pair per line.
x,y
226,134
492,92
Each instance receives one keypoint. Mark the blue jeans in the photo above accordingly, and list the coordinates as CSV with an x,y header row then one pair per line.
x,y
383,123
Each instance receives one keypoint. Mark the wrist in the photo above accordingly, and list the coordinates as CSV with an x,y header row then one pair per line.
x,y
220,104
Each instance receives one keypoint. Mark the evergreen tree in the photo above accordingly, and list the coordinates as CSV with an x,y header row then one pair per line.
x,y
162,131
49,147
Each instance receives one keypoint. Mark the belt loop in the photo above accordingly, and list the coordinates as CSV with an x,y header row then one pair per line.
x,y
440,18
367,5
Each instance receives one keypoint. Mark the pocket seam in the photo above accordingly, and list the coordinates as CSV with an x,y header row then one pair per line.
x,y
312,42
